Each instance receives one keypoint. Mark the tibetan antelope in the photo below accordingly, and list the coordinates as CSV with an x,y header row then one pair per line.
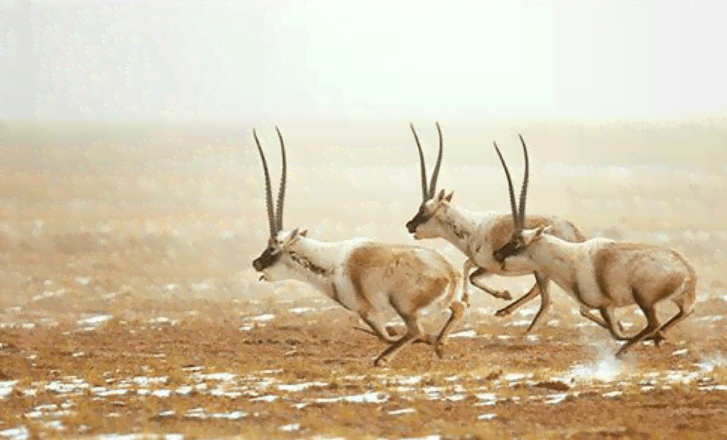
x,y
600,273
362,275
478,235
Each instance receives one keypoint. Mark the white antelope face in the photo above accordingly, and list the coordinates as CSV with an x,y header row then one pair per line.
x,y
424,224
277,262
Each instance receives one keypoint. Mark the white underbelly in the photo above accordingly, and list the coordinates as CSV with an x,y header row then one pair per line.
x,y
590,294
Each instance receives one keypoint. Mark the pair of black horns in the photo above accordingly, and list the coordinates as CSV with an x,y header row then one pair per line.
x,y
429,193
518,217
275,217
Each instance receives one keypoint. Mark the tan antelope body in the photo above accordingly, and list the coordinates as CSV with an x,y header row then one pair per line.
x,y
364,276
478,235
603,274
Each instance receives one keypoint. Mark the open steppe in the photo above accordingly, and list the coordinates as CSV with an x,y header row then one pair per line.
x,y
129,307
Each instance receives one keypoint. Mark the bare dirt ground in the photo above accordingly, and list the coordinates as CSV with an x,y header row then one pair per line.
x,y
303,372
128,307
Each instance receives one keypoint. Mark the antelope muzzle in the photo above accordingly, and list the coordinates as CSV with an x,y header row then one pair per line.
x,y
268,258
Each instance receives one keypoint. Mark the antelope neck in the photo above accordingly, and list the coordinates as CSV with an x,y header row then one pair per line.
x,y
459,226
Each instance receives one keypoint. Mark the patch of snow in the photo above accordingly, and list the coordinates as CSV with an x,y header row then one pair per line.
x,y
554,399
291,427
267,398
94,321
301,386
6,387
144,381
19,433
264,317
75,385
397,412
464,334
487,398
83,281
412,380
214,376
357,398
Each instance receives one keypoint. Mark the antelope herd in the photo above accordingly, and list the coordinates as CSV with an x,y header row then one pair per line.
x,y
370,278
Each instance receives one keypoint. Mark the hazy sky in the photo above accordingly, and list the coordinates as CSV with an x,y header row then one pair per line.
x,y
395,59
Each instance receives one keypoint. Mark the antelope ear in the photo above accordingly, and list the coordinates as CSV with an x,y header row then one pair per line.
x,y
297,233
440,195
293,237
448,197
542,229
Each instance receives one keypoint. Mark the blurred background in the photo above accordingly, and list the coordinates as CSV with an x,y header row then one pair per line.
x,y
129,168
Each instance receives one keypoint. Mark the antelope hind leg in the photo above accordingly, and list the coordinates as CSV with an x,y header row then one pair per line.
x,y
476,280
457,311
652,328
414,331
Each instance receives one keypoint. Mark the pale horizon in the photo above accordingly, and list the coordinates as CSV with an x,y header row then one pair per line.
x,y
283,60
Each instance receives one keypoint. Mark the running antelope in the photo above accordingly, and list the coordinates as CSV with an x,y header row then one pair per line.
x,y
364,276
478,235
601,273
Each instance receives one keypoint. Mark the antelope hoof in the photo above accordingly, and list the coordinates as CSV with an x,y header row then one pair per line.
x,y
525,334
380,362
439,351
427,339
391,330
505,311
503,294
658,339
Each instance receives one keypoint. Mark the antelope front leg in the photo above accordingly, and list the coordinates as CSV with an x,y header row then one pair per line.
x,y
508,309
378,329
482,273
383,334
542,284
468,265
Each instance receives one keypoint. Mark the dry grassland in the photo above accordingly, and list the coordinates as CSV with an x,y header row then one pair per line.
x,y
128,304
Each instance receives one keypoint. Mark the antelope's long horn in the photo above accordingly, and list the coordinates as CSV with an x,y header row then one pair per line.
x,y
423,165
281,190
435,173
513,207
268,190
524,189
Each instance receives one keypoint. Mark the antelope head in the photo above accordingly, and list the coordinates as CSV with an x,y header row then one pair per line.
x,y
422,225
521,238
280,242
